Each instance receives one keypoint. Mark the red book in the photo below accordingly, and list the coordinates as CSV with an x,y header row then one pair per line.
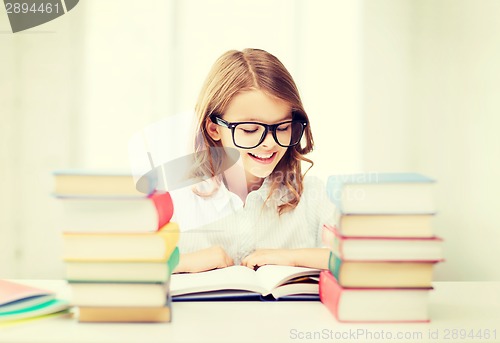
x,y
117,215
382,248
373,305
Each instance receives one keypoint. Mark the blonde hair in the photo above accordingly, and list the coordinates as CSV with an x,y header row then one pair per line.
x,y
235,72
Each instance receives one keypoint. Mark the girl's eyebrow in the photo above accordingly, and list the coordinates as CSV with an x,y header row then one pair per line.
x,y
288,117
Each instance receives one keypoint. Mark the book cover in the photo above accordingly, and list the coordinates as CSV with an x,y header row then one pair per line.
x,y
382,193
382,248
138,314
385,225
121,271
373,305
18,301
147,247
14,296
100,183
117,215
107,294
381,274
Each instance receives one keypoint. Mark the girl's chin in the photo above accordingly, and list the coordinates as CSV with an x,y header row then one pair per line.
x,y
258,169
261,173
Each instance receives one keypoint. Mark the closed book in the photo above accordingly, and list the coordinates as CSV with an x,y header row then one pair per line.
x,y
373,305
120,215
14,294
100,183
119,294
42,309
382,193
128,271
381,274
382,248
139,314
385,225
157,246
19,301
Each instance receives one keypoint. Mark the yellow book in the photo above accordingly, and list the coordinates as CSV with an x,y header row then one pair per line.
x,y
157,246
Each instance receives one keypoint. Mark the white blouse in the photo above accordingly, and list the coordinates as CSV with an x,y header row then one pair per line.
x,y
224,220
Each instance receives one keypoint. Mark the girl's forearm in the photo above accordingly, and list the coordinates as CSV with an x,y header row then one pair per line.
x,y
311,257
305,257
202,260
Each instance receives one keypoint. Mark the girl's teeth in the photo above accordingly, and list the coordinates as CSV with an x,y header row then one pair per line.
x,y
262,156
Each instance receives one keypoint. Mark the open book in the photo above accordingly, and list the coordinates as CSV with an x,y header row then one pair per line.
x,y
242,283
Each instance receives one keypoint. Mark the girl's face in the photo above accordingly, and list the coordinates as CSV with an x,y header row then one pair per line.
x,y
254,106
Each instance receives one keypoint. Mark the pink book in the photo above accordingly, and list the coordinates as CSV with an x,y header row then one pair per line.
x,y
11,292
373,305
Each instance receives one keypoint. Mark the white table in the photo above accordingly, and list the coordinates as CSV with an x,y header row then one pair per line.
x,y
470,306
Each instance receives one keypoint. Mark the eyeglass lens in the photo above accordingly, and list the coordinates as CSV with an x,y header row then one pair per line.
x,y
250,135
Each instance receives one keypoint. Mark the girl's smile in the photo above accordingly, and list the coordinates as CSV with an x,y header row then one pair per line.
x,y
263,158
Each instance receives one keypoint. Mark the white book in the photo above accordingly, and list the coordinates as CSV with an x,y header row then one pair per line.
x,y
119,294
382,193
116,215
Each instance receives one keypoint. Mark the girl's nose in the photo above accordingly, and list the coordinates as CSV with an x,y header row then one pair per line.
x,y
268,140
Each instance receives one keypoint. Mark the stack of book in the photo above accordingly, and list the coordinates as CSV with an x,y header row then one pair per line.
x,y
383,248
119,247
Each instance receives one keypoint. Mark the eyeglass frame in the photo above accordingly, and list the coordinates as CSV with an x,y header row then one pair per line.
x,y
216,119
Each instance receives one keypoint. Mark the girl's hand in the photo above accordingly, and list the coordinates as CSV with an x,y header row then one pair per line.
x,y
203,260
284,257
307,257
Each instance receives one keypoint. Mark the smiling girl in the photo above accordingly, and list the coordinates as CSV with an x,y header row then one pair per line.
x,y
262,210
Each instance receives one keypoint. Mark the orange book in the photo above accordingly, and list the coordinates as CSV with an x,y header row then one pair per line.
x,y
124,314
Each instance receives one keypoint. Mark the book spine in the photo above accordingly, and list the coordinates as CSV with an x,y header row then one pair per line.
x,y
331,239
164,207
173,261
170,235
329,292
327,237
334,188
334,265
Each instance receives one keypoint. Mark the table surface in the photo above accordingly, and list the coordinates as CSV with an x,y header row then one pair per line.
x,y
460,312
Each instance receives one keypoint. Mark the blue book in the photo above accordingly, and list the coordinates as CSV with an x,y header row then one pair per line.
x,y
382,193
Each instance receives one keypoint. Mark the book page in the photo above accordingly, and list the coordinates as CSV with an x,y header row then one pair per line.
x,y
272,276
230,278
295,288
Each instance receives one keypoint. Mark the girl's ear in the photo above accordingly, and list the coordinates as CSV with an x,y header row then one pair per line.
x,y
212,130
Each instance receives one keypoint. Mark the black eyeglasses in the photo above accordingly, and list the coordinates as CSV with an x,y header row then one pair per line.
x,y
248,134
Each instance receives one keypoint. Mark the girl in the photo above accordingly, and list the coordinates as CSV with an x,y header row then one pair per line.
x,y
261,210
